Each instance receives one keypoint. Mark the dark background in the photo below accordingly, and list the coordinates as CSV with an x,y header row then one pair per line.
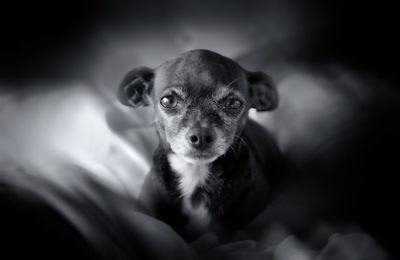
x,y
57,41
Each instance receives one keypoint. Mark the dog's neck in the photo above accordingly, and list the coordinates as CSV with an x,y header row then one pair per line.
x,y
191,176
197,188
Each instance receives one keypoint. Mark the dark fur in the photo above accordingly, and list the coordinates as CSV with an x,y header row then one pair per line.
x,y
243,185
241,180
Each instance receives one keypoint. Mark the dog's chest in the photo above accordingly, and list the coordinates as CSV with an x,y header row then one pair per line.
x,y
191,177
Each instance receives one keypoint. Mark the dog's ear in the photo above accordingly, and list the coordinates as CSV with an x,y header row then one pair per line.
x,y
136,87
262,91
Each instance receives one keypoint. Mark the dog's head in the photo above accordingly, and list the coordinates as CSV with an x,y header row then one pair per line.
x,y
201,101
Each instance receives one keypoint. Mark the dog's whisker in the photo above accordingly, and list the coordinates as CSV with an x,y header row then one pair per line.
x,y
233,150
241,140
233,81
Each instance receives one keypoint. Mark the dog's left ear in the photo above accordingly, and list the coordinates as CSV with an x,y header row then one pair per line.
x,y
262,91
136,87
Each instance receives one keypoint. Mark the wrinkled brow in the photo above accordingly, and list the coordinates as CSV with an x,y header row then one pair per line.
x,y
224,91
177,89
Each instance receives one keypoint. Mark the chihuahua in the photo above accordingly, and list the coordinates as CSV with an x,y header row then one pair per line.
x,y
215,168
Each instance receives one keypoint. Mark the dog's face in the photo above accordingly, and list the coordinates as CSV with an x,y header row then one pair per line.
x,y
201,100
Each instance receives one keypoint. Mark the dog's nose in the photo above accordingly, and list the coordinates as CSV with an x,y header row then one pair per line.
x,y
201,138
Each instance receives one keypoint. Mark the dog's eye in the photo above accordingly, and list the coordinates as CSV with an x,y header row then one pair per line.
x,y
169,101
233,102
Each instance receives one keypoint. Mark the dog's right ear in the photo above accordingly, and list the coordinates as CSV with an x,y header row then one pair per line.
x,y
136,87
263,93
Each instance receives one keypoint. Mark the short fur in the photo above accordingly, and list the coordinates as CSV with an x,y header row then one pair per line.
x,y
214,168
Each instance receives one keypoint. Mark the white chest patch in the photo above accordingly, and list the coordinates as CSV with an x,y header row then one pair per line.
x,y
191,176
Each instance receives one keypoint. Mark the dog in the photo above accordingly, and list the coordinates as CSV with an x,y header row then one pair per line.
x,y
214,168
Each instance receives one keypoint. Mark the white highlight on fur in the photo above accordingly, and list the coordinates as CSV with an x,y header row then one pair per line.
x,y
191,176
